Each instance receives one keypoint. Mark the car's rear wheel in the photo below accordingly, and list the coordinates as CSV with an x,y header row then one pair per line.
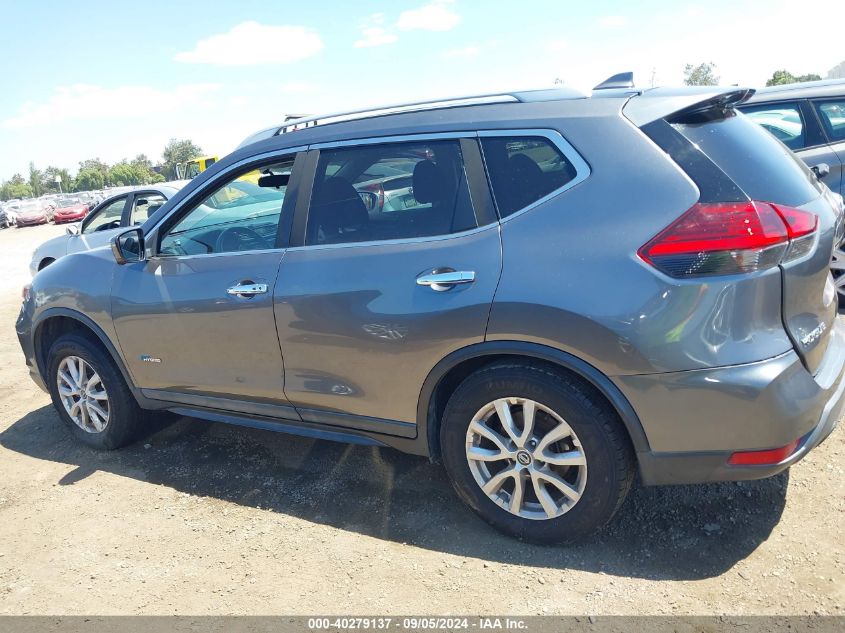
x,y
536,453
90,394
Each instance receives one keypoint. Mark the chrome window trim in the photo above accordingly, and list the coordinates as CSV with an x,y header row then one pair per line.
x,y
582,168
397,241
221,177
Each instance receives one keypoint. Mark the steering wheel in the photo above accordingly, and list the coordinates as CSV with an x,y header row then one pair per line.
x,y
233,238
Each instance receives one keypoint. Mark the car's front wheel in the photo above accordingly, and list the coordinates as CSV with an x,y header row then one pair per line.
x,y
90,394
536,453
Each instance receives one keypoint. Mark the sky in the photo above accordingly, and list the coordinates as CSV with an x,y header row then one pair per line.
x,y
111,79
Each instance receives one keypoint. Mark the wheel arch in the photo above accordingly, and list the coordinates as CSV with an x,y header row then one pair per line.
x,y
449,372
55,322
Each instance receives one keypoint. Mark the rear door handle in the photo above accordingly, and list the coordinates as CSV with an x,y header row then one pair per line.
x,y
447,279
247,290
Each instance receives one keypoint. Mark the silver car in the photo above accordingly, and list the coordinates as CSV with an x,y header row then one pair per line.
x,y
129,208
572,291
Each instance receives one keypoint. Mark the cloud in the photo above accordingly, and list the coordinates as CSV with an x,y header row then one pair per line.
x,y
85,101
375,36
435,16
462,53
251,43
612,22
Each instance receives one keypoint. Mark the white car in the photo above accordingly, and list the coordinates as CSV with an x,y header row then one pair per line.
x,y
107,219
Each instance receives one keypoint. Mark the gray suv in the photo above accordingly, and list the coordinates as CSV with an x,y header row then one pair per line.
x,y
547,292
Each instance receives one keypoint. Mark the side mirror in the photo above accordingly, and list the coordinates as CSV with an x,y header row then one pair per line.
x,y
128,247
72,229
821,170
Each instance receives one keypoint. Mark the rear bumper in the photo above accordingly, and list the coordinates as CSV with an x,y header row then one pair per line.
x,y
696,420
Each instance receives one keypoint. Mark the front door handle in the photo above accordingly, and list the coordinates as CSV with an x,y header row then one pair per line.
x,y
446,279
247,290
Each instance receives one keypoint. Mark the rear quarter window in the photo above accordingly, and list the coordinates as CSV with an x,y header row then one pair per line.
x,y
523,170
763,167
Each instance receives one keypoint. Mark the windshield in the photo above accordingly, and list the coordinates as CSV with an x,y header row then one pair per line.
x,y
67,202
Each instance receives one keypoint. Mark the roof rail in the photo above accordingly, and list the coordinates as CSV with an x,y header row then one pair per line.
x,y
324,119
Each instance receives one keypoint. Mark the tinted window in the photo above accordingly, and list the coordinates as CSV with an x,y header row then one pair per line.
x,y
832,114
763,168
524,169
240,215
781,120
386,192
106,218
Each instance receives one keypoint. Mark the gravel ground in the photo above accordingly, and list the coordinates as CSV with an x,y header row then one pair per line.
x,y
203,518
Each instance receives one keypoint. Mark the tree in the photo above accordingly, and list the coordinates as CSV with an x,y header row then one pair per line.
x,y
48,179
88,179
16,187
781,77
178,151
35,180
141,160
701,75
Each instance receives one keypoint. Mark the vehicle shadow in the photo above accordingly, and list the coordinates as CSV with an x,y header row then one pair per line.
x,y
675,533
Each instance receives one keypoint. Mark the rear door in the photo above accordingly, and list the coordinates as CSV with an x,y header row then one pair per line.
x,y
767,171
395,260
831,113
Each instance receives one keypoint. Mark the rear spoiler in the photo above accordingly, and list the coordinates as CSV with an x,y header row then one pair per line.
x,y
673,103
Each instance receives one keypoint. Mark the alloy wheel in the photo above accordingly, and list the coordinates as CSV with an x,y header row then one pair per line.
x,y
83,394
526,458
837,267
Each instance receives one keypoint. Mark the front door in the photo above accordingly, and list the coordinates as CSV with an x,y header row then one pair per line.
x,y
195,321
395,268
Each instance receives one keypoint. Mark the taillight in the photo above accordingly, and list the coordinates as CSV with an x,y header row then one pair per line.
x,y
727,238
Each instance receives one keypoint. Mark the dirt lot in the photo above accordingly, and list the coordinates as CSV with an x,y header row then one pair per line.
x,y
209,519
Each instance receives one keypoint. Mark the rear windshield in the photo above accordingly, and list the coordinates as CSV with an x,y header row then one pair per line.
x,y
760,165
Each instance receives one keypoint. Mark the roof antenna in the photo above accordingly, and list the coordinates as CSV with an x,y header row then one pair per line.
x,y
620,80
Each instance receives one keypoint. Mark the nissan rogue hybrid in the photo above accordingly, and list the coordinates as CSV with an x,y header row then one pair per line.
x,y
547,292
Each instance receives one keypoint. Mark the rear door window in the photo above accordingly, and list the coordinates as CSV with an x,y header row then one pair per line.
x,y
763,168
144,206
781,120
388,192
524,169
832,115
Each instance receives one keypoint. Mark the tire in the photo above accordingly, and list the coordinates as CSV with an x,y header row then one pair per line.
x,y
591,434
125,418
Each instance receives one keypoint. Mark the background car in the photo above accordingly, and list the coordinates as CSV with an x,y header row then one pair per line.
x,y
100,224
69,210
809,118
8,215
32,213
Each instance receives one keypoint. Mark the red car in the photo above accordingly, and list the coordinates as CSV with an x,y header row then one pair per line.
x,y
70,210
32,212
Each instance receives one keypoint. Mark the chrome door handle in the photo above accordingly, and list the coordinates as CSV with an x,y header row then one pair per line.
x,y
247,290
445,280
